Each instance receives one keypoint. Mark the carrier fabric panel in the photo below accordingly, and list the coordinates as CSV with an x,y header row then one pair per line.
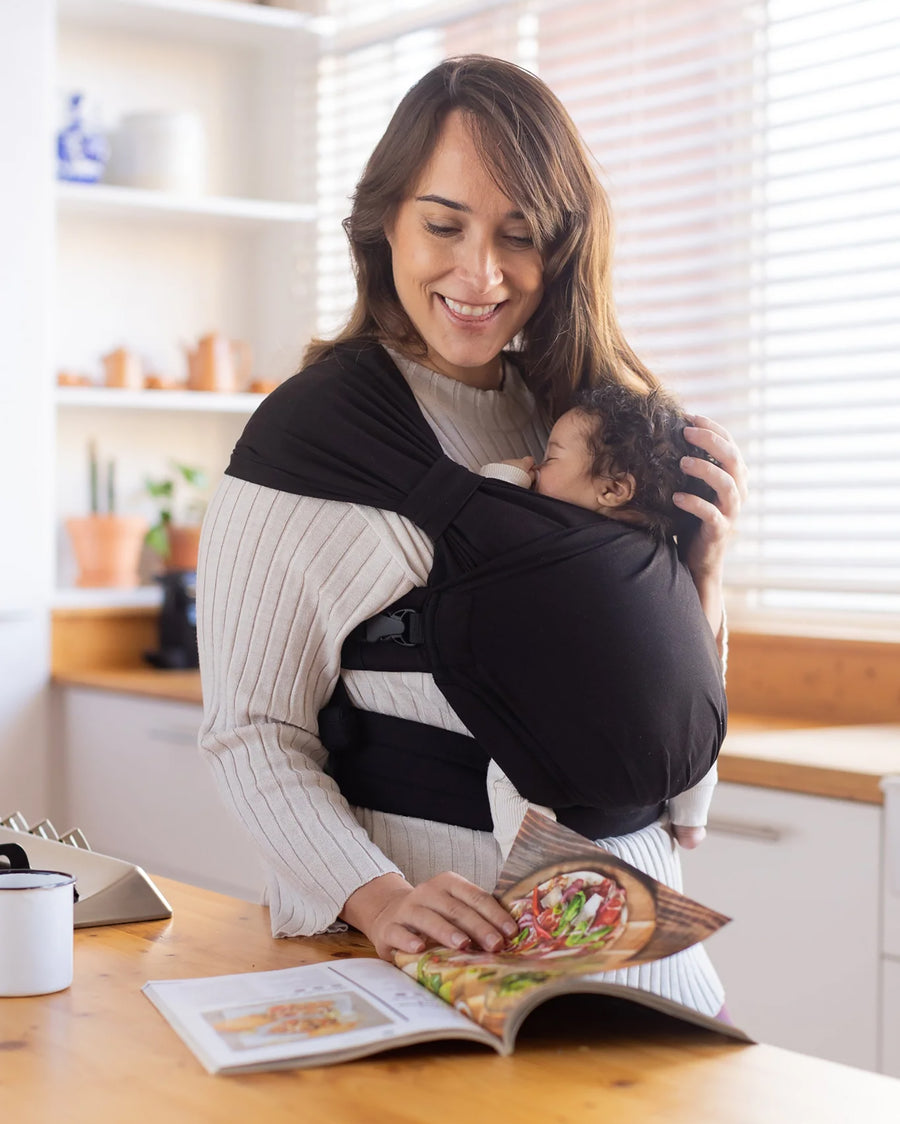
x,y
572,646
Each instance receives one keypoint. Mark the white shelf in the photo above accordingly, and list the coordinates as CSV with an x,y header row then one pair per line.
x,y
141,596
216,22
109,201
177,400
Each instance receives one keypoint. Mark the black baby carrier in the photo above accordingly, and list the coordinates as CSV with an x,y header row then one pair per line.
x,y
573,647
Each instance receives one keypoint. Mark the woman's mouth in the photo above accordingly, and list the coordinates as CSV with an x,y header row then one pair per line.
x,y
469,313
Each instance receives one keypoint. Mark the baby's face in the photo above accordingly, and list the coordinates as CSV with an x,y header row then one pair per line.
x,y
565,472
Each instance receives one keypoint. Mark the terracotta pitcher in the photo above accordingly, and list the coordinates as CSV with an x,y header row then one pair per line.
x,y
218,363
122,368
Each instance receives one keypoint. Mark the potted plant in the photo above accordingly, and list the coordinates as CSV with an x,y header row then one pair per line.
x,y
106,545
175,536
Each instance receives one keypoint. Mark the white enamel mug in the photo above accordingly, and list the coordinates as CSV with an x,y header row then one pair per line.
x,y
36,930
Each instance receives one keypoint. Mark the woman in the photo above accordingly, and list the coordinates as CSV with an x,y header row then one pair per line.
x,y
478,221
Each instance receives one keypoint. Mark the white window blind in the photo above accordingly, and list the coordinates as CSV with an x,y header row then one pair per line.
x,y
752,152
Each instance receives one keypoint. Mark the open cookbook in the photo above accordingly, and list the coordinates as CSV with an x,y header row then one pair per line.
x,y
581,913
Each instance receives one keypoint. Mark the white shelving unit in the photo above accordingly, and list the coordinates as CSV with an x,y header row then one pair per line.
x,y
110,398
131,204
154,271
213,22
142,597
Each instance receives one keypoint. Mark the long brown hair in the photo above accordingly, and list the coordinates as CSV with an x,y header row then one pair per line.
x,y
536,157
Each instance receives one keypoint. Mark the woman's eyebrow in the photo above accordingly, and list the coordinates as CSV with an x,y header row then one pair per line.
x,y
464,207
452,204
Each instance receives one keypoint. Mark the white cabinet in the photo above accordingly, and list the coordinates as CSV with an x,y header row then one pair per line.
x,y
153,270
800,876
890,1019
131,777
890,1013
891,915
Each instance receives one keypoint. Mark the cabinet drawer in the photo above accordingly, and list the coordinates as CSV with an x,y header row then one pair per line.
x,y
890,1019
134,782
891,933
794,872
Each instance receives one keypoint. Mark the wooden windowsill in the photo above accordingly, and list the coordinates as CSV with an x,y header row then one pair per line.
x,y
827,681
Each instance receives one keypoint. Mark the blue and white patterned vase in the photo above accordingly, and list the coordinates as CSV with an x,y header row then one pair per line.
x,y
81,154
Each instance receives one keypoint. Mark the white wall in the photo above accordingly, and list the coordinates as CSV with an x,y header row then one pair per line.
x,y
26,416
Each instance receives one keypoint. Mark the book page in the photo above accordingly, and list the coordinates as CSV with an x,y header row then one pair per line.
x,y
312,1014
580,910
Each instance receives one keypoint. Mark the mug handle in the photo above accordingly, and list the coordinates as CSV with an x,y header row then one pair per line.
x,y
18,860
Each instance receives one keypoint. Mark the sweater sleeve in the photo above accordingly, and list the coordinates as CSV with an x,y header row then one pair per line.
x,y
691,807
282,579
508,472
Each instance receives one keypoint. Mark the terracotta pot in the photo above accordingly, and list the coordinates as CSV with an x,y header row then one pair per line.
x,y
107,549
184,546
123,368
218,363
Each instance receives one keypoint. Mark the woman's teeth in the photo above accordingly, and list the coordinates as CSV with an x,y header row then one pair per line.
x,y
473,310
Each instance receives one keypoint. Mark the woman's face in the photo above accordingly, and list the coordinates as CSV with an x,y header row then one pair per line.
x,y
466,270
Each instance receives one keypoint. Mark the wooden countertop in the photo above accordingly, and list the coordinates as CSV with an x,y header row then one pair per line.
x,y
845,762
100,1052
139,679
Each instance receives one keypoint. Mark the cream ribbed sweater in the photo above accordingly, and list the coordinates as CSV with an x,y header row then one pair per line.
x,y
282,580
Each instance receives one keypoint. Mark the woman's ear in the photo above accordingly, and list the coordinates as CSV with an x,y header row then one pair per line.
x,y
614,491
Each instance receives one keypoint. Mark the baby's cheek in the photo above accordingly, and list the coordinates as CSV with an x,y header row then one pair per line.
x,y
543,484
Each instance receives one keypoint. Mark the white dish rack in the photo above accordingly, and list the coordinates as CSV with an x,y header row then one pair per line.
x,y
110,891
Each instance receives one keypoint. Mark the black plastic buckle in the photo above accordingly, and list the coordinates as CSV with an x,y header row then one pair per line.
x,y
403,627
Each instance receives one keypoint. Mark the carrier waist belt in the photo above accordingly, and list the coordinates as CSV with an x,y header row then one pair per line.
x,y
409,769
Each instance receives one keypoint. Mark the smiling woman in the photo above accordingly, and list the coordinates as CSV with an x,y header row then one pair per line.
x,y
465,266
480,238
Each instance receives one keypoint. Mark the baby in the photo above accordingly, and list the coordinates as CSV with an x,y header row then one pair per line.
x,y
618,452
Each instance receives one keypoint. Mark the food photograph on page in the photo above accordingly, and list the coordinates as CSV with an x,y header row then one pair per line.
x,y
245,1028
580,910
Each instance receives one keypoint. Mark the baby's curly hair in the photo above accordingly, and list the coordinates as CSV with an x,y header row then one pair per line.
x,y
642,433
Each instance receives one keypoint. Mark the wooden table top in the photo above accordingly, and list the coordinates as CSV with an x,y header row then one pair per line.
x,y
101,1052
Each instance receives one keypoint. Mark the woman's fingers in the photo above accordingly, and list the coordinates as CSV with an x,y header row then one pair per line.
x,y
447,910
718,442
714,521
721,481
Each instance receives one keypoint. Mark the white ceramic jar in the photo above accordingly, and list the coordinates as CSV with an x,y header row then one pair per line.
x,y
36,931
164,151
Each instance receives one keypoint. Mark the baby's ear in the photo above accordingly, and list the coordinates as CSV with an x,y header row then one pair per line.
x,y
614,491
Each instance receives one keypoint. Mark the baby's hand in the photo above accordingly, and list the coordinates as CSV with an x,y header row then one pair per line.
x,y
526,464
688,837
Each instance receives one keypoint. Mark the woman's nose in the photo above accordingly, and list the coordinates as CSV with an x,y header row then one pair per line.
x,y
480,265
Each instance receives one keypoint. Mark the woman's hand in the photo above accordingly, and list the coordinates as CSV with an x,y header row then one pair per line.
x,y
728,479
447,910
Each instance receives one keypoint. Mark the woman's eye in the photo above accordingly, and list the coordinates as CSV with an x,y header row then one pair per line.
x,y
523,240
439,231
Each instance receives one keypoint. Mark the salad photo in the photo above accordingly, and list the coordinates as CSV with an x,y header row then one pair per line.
x,y
569,914
572,911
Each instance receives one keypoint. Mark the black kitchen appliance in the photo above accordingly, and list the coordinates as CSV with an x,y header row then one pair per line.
x,y
177,621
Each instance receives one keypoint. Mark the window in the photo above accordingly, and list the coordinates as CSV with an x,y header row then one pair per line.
x,y
752,152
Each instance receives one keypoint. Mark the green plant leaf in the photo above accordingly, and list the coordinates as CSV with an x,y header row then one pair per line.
x,y
160,489
157,538
193,476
